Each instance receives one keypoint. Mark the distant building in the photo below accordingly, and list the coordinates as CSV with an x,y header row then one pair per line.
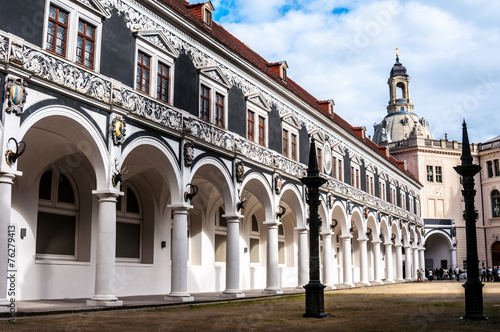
x,y
408,138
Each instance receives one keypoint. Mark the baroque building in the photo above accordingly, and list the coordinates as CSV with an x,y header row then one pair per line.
x,y
408,138
146,150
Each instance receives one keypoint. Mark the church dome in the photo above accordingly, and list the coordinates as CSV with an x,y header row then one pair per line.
x,y
398,69
400,126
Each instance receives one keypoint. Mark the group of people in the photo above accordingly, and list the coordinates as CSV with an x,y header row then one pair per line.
x,y
490,274
443,274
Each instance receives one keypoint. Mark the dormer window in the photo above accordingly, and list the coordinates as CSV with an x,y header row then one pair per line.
x,y
203,11
279,68
327,106
208,17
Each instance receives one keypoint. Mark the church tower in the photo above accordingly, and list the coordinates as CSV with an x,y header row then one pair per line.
x,y
401,122
399,89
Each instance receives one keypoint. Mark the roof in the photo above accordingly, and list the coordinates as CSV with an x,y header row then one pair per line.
x,y
398,69
222,35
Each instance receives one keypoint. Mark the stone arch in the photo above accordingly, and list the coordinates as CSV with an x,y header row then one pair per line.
x,y
160,158
216,173
291,195
68,133
260,188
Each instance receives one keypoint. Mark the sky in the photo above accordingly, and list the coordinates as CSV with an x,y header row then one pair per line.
x,y
344,50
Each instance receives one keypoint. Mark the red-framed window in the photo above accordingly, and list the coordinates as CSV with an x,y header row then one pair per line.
x,y
285,142
143,70
262,131
205,103
251,126
219,110
162,82
57,30
294,147
85,44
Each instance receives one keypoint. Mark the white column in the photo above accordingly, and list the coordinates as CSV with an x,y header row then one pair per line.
x,y
408,263
105,247
453,253
6,182
363,262
346,250
303,258
272,259
327,261
233,257
399,263
422,262
388,263
416,266
178,278
377,263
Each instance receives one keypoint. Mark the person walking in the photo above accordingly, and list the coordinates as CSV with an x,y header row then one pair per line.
x,y
430,275
457,273
483,274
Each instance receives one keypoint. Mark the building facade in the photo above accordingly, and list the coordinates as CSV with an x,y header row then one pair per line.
x,y
145,150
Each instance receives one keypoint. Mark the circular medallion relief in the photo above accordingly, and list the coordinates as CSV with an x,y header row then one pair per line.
x,y
327,158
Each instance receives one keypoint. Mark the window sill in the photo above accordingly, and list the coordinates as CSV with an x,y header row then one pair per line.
x,y
60,262
133,264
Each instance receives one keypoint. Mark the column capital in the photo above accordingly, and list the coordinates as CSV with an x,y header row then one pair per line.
x,y
376,241
107,195
8,176
271,223
388,244
346,237
398,245
179,208
326,234
302,229
362,239
233,218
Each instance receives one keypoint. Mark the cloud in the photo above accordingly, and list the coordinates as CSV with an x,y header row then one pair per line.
x,y
344,50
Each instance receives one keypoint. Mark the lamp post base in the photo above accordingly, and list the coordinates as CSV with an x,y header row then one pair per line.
x,y
473,300
315,305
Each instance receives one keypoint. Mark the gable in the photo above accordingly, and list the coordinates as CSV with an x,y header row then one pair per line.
x,y
157,39
215,74
318,135
291,120
257,99
96,7
338,148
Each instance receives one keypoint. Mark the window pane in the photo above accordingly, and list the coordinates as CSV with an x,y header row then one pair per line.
x,y
128,240
222,220
281,252
65,191
132,202
55,234
254,251
45,186
255,224
220,248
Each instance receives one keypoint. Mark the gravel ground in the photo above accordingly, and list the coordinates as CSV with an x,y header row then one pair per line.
x,y
425,306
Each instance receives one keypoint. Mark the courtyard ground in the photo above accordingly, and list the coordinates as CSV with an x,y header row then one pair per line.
x,y
425,306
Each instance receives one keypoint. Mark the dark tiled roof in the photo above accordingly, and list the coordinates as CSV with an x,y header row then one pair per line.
x,y
221,34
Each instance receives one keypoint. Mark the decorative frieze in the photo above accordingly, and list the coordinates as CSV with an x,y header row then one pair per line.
x,y
63,73
4,49
147,108
210,134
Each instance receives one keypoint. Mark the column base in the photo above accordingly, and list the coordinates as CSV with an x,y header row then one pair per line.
x,y
345,286
4,302
362,284
376,282
104,303
408,280
300,287
272,291
178,297
232,294
332,287
388,281
399,281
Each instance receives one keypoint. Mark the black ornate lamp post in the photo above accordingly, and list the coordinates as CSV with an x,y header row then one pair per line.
x,y
473,287
314,289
